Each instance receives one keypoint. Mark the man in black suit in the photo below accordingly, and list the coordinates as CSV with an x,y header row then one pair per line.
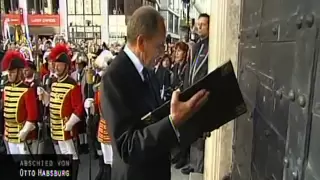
x,y
141,151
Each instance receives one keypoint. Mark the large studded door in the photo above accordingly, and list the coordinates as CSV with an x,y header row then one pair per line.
x,y
277,75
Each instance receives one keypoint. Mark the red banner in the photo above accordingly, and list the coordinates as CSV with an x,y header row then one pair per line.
x,y
43,20
13,19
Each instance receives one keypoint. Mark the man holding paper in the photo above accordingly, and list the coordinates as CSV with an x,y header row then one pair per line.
x,y
142,151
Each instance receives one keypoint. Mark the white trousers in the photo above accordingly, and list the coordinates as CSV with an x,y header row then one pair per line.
x,y
107,153
66,147
21,148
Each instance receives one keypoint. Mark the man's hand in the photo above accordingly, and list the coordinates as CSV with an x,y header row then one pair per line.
x,y
182,111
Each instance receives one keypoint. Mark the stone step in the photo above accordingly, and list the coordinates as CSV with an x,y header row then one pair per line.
x,y
195,176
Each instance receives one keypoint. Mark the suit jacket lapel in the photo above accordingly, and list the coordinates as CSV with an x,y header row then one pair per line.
x,y
141,84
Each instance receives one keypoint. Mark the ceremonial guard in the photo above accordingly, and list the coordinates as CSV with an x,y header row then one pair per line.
x,y
3,81
29,73
92,106
66,106
19,108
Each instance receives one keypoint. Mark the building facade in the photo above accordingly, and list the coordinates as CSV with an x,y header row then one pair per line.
x,y
101,20
41,16
170,10
77,20
196,8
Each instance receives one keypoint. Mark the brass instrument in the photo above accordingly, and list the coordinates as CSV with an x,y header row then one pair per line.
x,y
90,68
89,72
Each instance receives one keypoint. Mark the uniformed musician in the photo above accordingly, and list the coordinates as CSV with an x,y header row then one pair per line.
x,y
93,106
66,106
20,107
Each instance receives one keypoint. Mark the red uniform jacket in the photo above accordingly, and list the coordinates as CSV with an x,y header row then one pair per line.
x,y
65,100
20,105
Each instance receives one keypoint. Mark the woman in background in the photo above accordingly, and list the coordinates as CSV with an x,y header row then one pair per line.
x,y
178,73
162,72
180,62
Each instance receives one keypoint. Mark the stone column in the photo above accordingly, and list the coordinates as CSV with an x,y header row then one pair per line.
x,y
223,45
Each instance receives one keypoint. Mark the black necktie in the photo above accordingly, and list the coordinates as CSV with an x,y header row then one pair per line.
x,y
148,82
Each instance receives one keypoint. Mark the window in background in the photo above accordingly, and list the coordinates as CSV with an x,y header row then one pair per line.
x,y
96,7
31,6
11,6
2,5
170,4
71,7
96,20
71,20
176,24
5,6
170,22
88,7
79,20
79,7
88,18
55,6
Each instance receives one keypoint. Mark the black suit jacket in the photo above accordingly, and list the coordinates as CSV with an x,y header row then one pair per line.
x,y
163,76
141,152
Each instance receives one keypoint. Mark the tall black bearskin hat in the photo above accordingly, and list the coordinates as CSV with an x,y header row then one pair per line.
x,y
13,60
61,53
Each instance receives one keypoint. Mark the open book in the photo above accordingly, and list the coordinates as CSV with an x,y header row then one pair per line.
x,y
225,101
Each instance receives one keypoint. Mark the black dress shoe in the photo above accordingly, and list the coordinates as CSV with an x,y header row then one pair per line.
x,y
175,159
187,170
180,163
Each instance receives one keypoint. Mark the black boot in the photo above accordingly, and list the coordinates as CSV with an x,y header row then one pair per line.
x,y
75,168
101,169
106,172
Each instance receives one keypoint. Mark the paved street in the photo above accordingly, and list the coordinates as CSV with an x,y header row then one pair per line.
x,y
84,170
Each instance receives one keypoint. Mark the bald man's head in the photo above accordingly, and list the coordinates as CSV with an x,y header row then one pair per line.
x,y
146,34
145,21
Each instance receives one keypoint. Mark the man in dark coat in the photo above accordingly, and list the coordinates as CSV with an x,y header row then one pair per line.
x,y
141,150
197,69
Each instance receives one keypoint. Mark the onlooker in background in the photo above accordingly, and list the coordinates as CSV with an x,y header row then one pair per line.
x,y
179,66
197,69
163,73
178,73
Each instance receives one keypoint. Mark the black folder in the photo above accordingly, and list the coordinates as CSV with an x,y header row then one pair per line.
x,y
225,101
